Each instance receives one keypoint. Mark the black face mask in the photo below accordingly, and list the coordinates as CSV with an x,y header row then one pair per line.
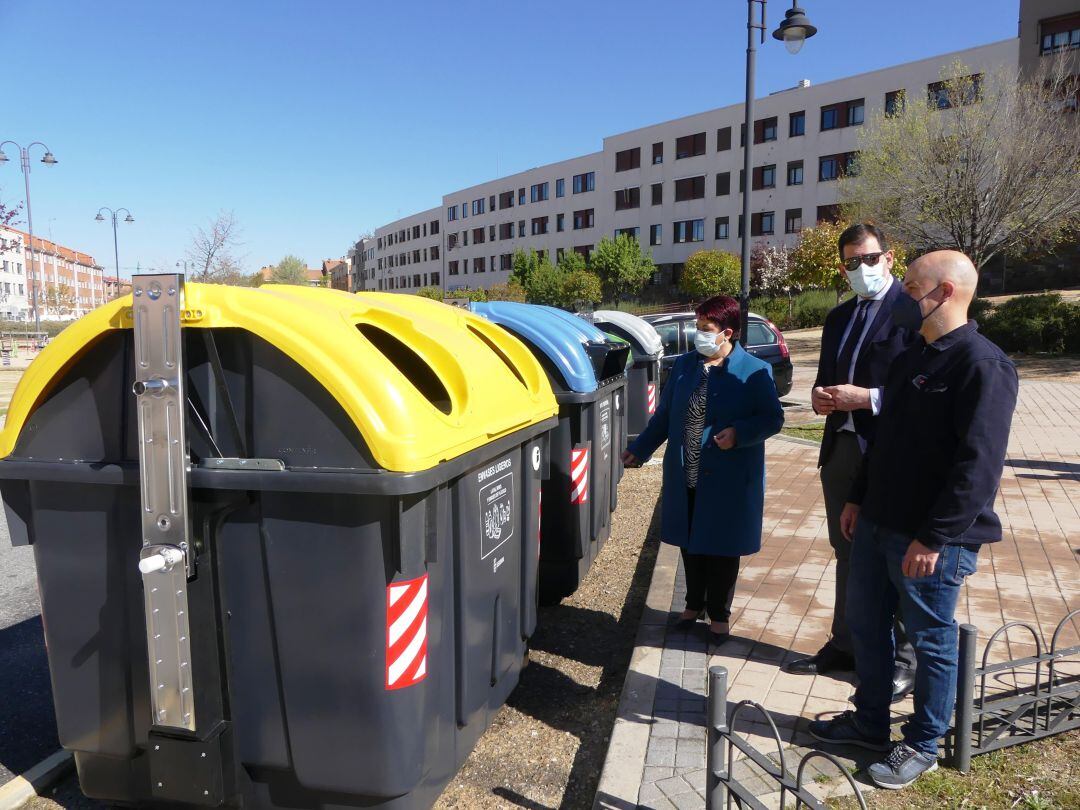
x,y
906,312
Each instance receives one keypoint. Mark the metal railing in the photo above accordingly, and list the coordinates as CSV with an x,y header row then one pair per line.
x,y
1049,705
722,785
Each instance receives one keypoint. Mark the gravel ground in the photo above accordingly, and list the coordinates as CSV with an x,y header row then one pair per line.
x,y
547,746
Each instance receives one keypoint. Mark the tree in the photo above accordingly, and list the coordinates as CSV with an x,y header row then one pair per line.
x,y
986,165
213,248
815,260
511,291
580,286
545,284
524,263
59,299
622,267
770,269
711,272
290,270
434,293
8,215
572,261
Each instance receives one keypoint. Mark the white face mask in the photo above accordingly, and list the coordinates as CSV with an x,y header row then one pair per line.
x,y
708,343
868,281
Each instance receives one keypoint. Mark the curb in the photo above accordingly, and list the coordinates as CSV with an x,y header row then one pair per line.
x,y
796,440
40,777
624,765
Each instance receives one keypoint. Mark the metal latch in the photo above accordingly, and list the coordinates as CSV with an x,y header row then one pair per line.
x,y
166,559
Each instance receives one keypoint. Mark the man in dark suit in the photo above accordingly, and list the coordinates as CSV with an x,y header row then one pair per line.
x,y
858,344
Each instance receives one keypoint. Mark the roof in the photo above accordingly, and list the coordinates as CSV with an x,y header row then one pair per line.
x,y
66,253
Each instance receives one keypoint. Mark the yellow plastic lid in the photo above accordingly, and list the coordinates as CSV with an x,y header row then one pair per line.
x,y
422,381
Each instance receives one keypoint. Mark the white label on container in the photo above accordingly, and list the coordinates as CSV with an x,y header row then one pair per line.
x,y
496,514
605,426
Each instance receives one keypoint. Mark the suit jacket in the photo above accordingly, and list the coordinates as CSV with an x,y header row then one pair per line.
x,y
884,342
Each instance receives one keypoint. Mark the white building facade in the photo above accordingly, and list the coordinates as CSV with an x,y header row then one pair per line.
x,y
675,186
14,288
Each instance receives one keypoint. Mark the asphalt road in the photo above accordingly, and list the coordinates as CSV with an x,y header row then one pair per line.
x,y
27,722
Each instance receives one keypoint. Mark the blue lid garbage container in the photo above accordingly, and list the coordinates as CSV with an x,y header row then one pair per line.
x,y
643,384
285,540
587,373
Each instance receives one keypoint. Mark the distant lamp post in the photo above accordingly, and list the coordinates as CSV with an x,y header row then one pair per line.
x,y
793,31
113,215
48,160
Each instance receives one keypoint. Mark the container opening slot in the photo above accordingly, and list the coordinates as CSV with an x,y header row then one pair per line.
x,y
498,353
410,364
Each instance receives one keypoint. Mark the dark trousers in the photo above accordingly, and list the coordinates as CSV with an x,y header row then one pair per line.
x,y
837,476
880,588
710,579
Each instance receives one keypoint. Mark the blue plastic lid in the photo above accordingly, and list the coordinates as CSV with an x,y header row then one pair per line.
x,y
558,335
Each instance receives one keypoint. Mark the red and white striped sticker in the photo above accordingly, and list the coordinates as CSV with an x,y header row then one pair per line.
x,y
406,632
652,398
579,475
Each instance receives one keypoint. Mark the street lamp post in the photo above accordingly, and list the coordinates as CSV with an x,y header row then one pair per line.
x,y
48,160
116,250
793,31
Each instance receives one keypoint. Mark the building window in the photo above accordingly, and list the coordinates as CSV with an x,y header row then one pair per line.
x,y
690,146
761,223
538,193
583,250
451,215
506,261
628,159
689,230
560,187
828,168
521,228
521,196
583,219
491,233
1062,34
506,230
795,173
434,227
539,226
828,213
793,220
830,117
478,236
464,211
765,130
631,232
723,139
894,102
434,278
655,234
628,198
721,227
434,252
690,188
479,265
506,200
764,177
797,124
658,153
452,268
945,95
584,182
657,193
491,203
451,241
855,112
723,184
560,222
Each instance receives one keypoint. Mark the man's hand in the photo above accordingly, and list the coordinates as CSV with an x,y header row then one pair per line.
x,y
919,560
849,397
725,439
848,519
822,402
629,459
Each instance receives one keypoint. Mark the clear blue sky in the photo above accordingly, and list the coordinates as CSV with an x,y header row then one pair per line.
x,y
315,121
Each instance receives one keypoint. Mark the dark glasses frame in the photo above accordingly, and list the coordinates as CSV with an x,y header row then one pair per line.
x,y
871,259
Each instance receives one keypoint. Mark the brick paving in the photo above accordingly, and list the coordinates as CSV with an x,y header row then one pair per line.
x,y
783,604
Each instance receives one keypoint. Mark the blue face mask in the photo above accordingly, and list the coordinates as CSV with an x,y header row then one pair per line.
x,y
708,343
907,313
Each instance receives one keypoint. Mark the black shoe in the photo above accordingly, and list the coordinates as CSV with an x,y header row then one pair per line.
x,y
689,624
844,730
903,683
827,659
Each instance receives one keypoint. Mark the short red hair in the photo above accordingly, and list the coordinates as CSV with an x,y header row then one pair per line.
x,y
723,310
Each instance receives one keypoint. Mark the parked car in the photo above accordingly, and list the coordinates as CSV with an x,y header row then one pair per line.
x,y
763,340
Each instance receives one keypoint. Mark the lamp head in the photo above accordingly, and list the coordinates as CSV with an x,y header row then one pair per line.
x,y
129,218
49,160
99,217
3,157
795,29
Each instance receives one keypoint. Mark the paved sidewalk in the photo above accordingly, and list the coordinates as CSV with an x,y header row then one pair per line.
x,y
783,608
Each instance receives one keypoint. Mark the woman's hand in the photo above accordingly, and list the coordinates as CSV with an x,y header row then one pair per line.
x,y
725,439
629,459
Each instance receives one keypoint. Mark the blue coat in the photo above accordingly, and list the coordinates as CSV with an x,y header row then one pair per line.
x,y
731,483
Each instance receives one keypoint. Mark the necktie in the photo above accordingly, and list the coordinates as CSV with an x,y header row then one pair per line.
x,y
847,353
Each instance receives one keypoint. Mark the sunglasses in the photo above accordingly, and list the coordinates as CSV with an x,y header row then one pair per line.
x,y
869,259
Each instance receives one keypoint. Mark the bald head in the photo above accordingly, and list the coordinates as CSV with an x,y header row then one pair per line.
x,y
946,280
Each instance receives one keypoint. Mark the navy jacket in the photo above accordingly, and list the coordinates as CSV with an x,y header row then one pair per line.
x,y
731,483
933,468
884,342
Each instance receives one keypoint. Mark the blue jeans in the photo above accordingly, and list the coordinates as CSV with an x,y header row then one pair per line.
x,y
876,587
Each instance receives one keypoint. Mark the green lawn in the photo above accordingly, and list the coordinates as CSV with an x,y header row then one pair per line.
x,y
813,431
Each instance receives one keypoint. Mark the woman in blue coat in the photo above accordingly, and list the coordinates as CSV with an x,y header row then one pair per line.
x,y
716,411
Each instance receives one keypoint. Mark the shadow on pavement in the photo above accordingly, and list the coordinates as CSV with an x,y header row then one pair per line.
x,y
27,722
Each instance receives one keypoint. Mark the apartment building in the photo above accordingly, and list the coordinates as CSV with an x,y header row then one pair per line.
x,y
409,253
361,258
69,282
1048,27
676,186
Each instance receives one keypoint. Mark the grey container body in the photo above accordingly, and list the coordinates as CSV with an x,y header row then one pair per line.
x,y
290,597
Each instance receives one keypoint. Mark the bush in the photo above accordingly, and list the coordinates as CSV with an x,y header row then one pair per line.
x,y
804,311
711,272
1034,323
980,309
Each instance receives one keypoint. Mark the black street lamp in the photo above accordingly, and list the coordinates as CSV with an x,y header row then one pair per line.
x,y
793,32
48,160
116,251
